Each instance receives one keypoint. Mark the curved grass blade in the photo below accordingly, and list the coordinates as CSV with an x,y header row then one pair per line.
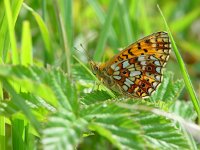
x,y
183,69
44,33
104,33
26,50
9,16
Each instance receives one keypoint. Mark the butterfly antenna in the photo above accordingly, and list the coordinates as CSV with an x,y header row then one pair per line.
x,y
86,53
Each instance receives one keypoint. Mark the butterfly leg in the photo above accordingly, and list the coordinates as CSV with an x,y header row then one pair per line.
x,y
120,90
96,85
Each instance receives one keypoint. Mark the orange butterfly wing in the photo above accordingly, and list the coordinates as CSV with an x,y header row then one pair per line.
x,y
137,70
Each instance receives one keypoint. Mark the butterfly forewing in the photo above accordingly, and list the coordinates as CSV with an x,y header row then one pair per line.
x,y
137,70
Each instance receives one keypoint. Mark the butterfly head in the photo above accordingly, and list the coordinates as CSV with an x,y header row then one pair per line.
x,y
95,67
101,73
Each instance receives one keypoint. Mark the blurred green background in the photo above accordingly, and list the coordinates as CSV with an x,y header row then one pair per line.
x,y
84,23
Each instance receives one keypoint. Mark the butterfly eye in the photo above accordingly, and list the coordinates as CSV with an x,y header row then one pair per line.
x,y
96,68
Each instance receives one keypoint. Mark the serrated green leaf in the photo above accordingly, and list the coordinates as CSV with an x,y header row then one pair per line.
x,y
184,109
159,131
95,96
29,78
105,133
113,123
39,106
79,72
52,84
132,129
169,90
63,131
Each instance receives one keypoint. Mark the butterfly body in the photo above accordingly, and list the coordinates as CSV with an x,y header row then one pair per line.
x,y
137,70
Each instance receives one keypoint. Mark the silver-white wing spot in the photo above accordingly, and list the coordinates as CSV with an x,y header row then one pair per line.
x,y
116,73
153,58
135,73
155,84
158,77
141,58
117,77
143,63
125,87
125,64
117,68
150,90
113,66
128,82
158,69
131,66
157,63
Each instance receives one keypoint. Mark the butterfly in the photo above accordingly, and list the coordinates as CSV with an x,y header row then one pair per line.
x,y
137,70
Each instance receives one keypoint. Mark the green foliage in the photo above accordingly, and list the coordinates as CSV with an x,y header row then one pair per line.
x,y
63,131
168,90
95,113
184,109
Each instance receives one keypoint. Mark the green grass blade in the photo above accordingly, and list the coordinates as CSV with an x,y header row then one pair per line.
x,y
29,138
183,69
2,133
4,37
64,38
17,134
126,21
2,123
67,31
104,33
9,16
45,35
68,21
66,46
26,50
44,9
112,37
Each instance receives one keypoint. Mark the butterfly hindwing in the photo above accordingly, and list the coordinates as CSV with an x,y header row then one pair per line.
x,y
138,68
